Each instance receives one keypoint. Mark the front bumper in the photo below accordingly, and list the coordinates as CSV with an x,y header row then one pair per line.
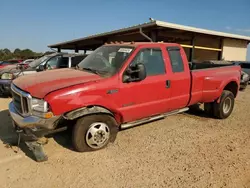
x,y
31,128
5,87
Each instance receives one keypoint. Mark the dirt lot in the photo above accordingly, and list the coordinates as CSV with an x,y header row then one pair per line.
x,y
184,150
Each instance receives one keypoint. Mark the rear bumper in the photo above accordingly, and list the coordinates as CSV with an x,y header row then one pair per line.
x,y
5,86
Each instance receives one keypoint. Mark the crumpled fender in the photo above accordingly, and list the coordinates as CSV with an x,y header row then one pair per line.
x,y
74,105
87,111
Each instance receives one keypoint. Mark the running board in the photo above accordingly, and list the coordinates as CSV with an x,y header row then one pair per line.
x,y
154,118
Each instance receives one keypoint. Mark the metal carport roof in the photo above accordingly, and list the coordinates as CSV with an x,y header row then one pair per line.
x,y
93,41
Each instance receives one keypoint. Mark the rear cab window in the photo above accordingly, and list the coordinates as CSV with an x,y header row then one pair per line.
x,y
63,62
175,59
77,59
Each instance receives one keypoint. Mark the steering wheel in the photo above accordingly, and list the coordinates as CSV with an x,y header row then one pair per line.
x,y
105,61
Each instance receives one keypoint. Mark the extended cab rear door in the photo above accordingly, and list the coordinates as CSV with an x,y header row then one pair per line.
x,y
179,77
148,97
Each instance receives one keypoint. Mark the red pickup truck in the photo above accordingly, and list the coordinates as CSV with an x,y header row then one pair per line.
x,y
119,86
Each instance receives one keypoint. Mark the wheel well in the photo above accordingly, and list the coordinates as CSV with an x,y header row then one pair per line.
x,y
90,110
233,87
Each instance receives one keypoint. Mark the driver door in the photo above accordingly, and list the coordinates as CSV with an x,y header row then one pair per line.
x,y
144,98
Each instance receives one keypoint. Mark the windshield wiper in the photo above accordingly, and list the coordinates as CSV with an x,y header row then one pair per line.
x,y
91,70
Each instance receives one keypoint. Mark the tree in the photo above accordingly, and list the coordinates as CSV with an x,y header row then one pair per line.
x,y
26,53
6,51
6,54
17,51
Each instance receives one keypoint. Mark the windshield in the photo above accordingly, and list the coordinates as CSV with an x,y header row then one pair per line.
x,y
106,60
38,61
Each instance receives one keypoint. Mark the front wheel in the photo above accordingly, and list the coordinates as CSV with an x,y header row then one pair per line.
x,y
224,108
94,132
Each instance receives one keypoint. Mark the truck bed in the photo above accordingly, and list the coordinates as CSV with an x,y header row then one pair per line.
x,y
209,64
208,79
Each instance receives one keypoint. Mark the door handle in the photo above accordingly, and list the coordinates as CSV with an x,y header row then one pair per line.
x,y
168,83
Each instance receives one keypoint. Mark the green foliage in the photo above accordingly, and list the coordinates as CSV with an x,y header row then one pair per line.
x,y
6,54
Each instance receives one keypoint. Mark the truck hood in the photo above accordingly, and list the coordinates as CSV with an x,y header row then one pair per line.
x,y
42,83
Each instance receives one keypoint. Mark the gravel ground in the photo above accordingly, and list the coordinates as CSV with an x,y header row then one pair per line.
x,y
185,150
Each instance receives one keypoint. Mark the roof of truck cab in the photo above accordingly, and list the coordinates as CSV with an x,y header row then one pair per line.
x,y
136,44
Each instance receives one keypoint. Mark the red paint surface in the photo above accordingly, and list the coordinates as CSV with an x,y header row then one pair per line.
x,y
42,83
66,90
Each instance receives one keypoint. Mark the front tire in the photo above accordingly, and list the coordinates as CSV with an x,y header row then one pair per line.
x,y
224,108
94,132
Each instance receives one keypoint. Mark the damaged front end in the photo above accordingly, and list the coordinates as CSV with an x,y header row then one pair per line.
x,y
30,124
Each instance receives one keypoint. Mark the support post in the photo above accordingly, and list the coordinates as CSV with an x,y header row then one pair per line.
x,y
221,47
58,49
76,49
153,35
191,53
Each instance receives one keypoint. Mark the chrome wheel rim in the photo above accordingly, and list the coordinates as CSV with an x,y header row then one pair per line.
x,y
227,105
97,135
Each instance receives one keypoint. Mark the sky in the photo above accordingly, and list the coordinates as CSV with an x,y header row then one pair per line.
x,y
36,24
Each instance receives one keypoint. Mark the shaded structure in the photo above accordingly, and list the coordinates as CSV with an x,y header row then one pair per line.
x,y
199,44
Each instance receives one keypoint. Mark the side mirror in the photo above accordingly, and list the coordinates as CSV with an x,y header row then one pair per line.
x,y
40,68
135,74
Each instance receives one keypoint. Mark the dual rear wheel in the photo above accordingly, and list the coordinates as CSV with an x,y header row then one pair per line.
x,y
224,108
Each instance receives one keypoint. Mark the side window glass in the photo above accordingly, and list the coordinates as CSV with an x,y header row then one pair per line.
x,y
175,59
64,62
52,63
152,59
76,60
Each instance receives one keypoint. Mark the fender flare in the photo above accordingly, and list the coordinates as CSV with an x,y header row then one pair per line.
x,y
223,86
80,112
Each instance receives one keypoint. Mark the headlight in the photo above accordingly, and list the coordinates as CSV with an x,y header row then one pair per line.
x,y
39,105
40,108
7,76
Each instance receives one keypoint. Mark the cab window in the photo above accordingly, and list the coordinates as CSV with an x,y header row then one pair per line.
x,y
175,59
52,62
152,59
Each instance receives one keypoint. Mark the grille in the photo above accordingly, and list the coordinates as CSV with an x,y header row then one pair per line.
x,y
17,100
21,100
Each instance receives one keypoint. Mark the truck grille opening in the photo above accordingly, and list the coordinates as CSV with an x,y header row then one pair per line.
x,y
20,100
17,102
25,105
